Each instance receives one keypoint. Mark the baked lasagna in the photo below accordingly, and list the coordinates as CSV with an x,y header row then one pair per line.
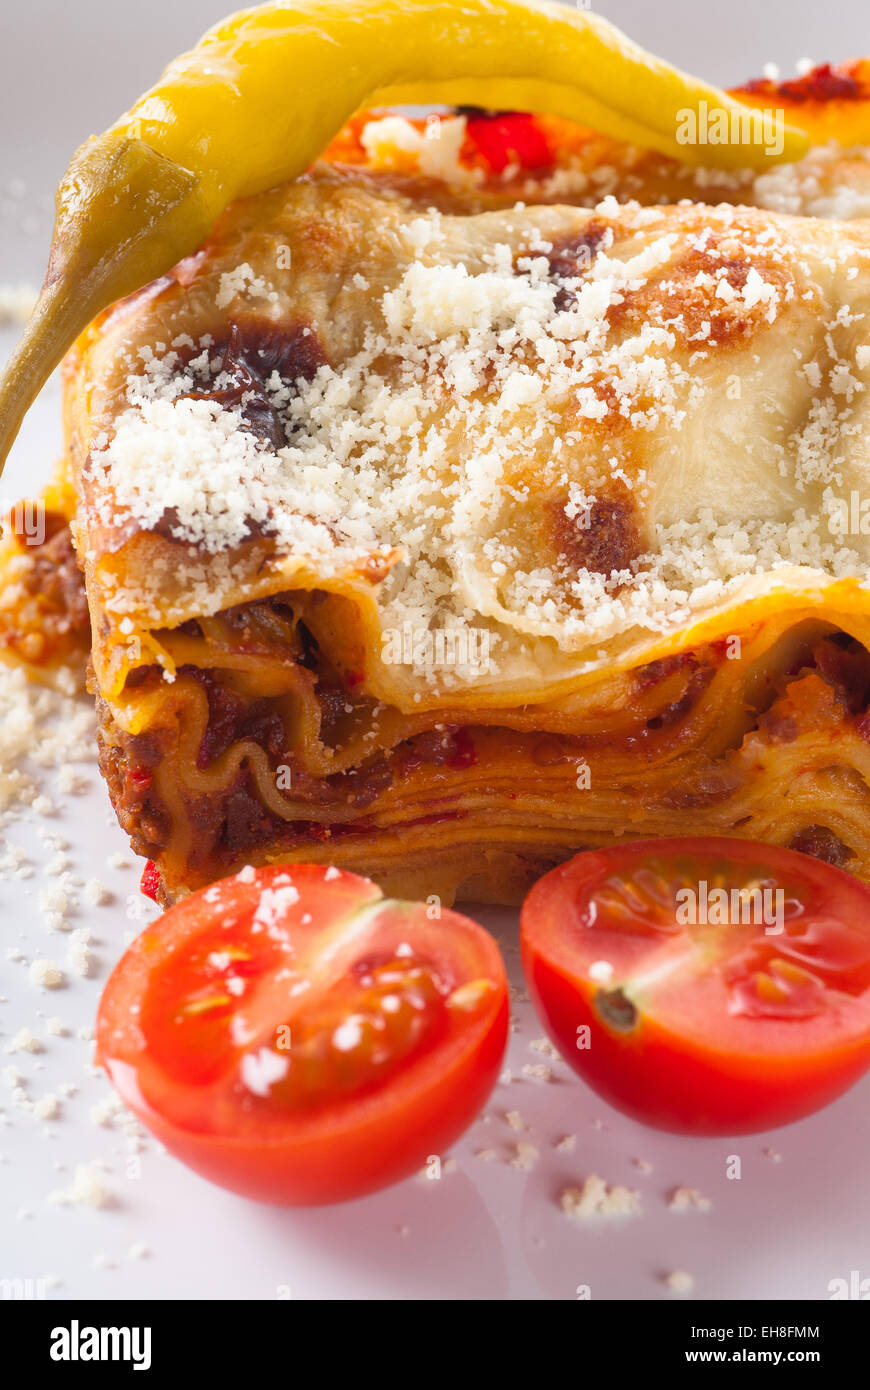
x,y
44,623
493,492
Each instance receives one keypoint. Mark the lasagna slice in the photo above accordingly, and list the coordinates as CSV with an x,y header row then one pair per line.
x,y
439,525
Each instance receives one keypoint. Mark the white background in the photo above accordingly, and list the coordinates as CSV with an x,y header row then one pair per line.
x,y
486,1230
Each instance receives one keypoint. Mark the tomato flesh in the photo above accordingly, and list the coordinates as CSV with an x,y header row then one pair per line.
x,y
711,986
294,1036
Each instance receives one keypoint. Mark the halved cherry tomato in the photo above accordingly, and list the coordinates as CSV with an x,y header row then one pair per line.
x,y
296,1037
711,986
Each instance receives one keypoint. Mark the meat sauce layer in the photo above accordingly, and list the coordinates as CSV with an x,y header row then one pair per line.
x,y
830,682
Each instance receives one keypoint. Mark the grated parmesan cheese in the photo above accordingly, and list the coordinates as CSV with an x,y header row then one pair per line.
x,y
469,365
86,1190
47,974
47,1107
23,1041
688,1199
595,1198
525,1156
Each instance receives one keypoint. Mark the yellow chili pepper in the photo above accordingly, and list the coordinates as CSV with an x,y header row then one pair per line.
x,y
263,93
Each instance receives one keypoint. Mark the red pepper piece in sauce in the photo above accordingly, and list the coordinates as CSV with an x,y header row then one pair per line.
x,y
509,137
150,880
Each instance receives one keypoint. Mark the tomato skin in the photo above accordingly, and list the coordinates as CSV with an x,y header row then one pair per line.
x,y
322,1169
650,1075
652,1072
346,1147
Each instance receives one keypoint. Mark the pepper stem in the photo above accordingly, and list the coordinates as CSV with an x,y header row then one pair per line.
x,y
124,213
